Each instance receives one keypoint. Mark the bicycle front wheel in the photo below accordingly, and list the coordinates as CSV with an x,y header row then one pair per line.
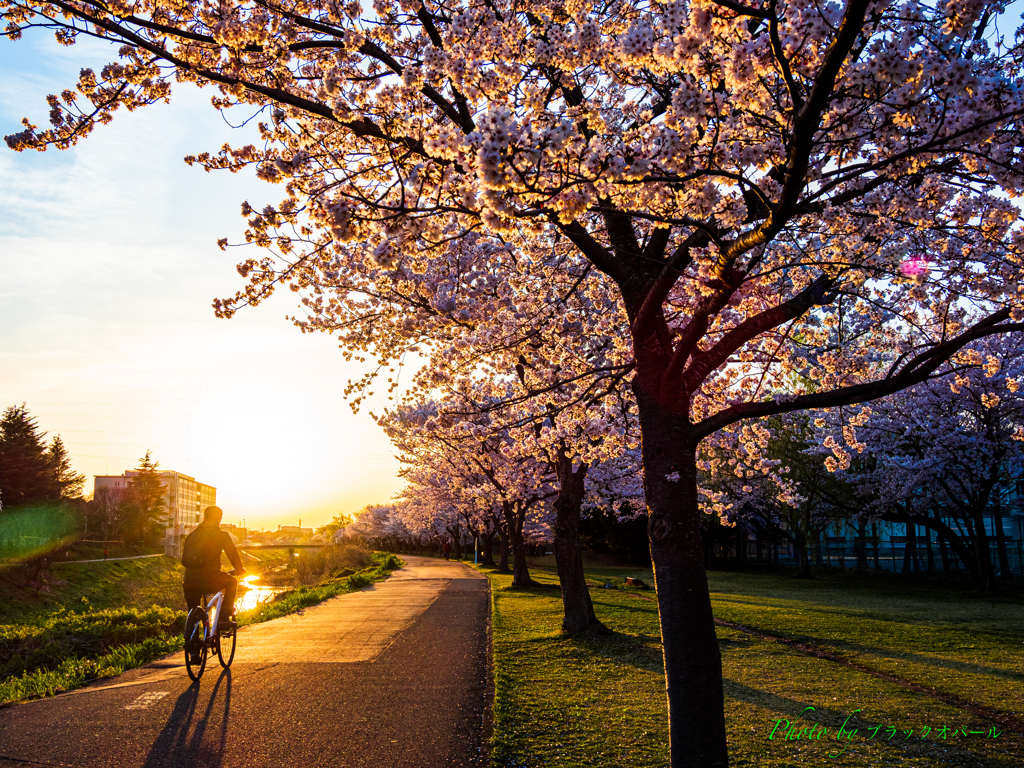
x,y
226,645
196,629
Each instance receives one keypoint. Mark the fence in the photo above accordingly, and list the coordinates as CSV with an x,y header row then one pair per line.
x,y
925,557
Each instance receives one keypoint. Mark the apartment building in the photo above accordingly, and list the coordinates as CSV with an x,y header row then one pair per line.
x,y
185,498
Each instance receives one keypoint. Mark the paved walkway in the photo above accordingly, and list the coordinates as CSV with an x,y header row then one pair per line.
x,y
392,675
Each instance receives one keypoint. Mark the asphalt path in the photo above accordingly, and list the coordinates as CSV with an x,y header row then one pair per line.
x,y
393,675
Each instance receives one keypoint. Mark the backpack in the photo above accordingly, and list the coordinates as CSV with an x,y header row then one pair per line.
x,y
191,551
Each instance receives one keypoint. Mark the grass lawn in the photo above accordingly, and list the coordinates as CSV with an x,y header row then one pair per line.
x,y
583,701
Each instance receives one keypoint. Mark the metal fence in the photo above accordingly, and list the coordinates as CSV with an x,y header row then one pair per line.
x,y
890,556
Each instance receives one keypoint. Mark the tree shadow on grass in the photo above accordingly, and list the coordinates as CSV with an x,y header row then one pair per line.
x,y
830,644
934,661
534,590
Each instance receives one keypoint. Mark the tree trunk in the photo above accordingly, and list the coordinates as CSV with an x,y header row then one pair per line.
x,y
486,555
997,528
504,543
875,542
520,572
862,547
577,608
944,555
929,552
693,664
985,575
801,553
909,549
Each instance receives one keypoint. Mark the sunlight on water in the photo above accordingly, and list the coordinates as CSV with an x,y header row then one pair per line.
x,y
250,594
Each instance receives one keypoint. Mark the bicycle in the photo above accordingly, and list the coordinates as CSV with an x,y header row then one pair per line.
x,y
203,636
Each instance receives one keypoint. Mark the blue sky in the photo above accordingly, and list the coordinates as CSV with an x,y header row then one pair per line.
x,y
108,265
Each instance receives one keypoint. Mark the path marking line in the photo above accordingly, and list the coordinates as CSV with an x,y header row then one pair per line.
x,y
146,700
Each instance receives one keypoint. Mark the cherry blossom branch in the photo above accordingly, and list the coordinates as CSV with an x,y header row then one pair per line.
x,y
815,294
916,371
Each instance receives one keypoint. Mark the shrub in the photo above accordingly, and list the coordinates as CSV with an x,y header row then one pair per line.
x,y
314,566
66,635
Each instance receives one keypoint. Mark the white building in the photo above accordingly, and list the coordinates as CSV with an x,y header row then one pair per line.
x,y
185,498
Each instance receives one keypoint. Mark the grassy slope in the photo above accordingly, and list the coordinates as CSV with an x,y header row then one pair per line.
x,y
577,701
82,586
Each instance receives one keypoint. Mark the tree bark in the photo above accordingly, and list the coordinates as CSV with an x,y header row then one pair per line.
x,y
486,555
693,663
577,608
520,571
862,547
909,547
504,537
985,575
997,528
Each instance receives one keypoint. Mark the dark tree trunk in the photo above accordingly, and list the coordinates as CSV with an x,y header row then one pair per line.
x,y
504,543
985,576
997,528
801,554
577,608
909,549
929,552
862,547
486,555
520,572
944,555
966,553
693,664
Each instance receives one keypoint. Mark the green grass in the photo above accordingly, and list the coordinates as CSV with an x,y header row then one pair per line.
x,y
67,648
583,700
92,586
84,639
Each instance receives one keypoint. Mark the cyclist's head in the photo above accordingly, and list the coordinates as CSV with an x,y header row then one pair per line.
x,y
212,515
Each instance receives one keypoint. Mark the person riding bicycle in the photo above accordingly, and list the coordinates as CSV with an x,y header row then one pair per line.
x,y
201,557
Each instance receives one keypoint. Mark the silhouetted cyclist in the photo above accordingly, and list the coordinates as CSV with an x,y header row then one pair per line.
x,y
201,557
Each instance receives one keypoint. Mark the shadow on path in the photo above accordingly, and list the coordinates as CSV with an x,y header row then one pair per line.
x,y
188,740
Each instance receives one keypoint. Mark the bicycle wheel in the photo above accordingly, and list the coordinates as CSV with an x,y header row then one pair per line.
x,y
196,628
226,644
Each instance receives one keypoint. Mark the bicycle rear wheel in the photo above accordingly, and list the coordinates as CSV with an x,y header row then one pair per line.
x,y
226,644
197,627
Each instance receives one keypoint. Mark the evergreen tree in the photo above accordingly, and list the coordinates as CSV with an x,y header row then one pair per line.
x,y
69,483
25,469
144,503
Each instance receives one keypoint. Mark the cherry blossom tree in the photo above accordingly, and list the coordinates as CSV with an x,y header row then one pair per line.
x,y
947,453
379,524
772,187
479,466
